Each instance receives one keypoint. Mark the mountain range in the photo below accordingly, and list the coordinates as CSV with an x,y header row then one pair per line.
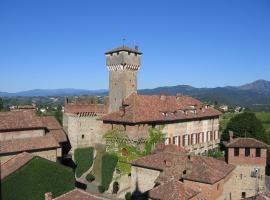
x,y
255,94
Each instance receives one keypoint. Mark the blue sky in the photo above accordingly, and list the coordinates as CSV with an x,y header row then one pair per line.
x,y
61,43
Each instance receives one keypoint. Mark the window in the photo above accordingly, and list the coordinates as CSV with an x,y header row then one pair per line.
x,y
258,152
243,195
175,140
194,138
236,151
185,141
82,136
247,152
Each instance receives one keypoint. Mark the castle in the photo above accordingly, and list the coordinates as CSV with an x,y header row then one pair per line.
x,y
186,121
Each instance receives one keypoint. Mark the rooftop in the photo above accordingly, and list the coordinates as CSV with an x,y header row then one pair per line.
x,y
160,108
28,144
124,48
78,194
19,120
176,164
15,163
173,190
245,142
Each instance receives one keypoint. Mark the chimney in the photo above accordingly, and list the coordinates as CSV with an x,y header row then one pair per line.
x,y
162,96
48,196
230,136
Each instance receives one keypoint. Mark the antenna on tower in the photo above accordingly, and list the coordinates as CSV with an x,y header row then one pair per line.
x,y
123,40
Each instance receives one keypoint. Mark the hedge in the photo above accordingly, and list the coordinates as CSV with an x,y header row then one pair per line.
x,y
36,178
83,159
109,163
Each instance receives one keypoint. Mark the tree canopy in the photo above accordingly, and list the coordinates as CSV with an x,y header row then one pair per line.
x,y
246,125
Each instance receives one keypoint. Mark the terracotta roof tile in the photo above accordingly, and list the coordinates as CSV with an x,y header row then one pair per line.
x,y
246,142
176,164
19,120
79,195
142,108
15,163
59,135
173,190
50,122
27,144
206,169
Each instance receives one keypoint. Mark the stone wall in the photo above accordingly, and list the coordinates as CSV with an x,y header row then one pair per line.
x,y
242,182
21,134
207,191
143,179
51,154
248,160
122,83
201,135
84,131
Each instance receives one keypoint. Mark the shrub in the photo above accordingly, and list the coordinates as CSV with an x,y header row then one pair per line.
x,y
83,159
101,189
109,163
128,196
90,177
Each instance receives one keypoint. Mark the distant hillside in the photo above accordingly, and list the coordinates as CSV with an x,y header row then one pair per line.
x,y
54,92
254,95
259,86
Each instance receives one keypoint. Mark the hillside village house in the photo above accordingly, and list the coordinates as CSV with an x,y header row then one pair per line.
x,y
23,130
187,122
169,173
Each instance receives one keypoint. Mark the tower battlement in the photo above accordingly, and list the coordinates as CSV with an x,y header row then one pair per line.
x,y
123,64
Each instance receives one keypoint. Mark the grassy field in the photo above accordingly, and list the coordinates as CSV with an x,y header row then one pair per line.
x,y
36,178
84,160
264,117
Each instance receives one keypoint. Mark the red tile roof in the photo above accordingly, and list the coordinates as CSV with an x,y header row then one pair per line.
x,y
206,169
50,122
28,144
59,135
79,195
55,129
19,120
140,109
162,158
176,164
246,142
15,163
173,190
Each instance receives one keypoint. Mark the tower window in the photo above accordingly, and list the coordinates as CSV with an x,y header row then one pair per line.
x,y
243,195
247,152
236,151
258,152
82,136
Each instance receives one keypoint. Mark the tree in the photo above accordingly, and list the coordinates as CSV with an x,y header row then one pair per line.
x,y
246,125
1,104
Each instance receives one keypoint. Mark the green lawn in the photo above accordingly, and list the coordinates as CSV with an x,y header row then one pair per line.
x,y
264,117
83,159
109,163
36,178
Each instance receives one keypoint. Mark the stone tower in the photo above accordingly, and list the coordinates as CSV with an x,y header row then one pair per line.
x,y
123,64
